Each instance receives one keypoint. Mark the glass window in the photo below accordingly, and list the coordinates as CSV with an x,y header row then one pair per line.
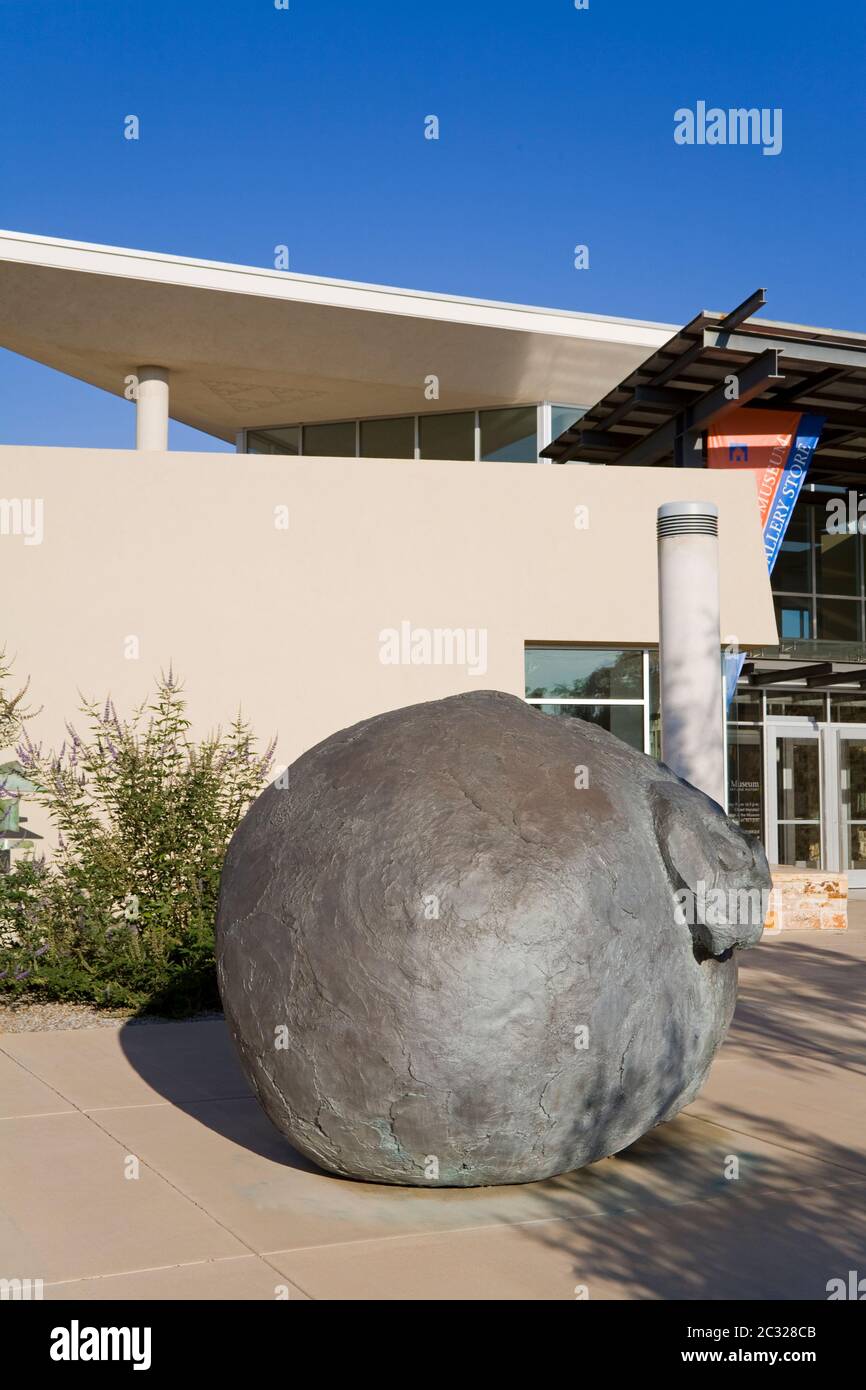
x,y
853,760
655,711
625,721
562,417
282,441
331,440
509,436
794,619
746,779
448,436
800,845
848,709
798,783
838,620
792,571
579,673
746,707
836,560
793,703
388,439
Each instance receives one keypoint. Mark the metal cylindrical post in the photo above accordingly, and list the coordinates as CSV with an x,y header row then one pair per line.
x,y
692,707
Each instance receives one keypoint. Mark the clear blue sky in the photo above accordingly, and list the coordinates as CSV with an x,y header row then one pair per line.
x,y
306,127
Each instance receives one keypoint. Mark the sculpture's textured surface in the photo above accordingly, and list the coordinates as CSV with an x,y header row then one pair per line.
x,y
449,952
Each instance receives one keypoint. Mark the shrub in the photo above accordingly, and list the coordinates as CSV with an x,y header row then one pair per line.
x,y
124,915
12,711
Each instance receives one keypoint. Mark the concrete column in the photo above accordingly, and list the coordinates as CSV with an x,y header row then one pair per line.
x,y
690,672
151,415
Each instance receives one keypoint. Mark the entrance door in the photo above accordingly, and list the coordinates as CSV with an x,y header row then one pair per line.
x,y
849,760
795,801
815,775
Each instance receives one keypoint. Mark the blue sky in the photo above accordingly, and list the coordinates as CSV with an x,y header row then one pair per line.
x,y
306,127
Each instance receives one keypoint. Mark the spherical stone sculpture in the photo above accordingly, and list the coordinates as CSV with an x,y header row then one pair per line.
x,y
467,942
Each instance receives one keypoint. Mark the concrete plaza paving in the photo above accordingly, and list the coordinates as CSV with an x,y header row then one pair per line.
x,y
222,1208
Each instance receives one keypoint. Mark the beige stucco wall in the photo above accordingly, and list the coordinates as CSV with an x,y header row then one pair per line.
x,y
182,552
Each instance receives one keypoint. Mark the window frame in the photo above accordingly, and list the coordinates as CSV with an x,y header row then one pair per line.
x,y
645,699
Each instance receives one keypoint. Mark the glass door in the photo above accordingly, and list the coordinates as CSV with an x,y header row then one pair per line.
x,y
795,801
850,782
816,797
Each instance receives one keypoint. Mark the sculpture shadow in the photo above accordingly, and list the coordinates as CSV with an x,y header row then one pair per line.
x,y
824,1015
661,1220
193,1065
794,1218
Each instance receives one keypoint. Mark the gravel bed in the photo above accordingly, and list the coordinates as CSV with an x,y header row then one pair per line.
x,y
36,1016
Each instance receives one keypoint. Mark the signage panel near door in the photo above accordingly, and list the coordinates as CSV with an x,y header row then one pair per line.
x,y
746,779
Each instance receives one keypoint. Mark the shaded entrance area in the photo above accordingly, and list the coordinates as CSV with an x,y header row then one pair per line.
x,y
797,722
797,772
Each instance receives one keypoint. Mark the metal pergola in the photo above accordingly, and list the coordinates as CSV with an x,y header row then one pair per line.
x,y
660,413
815,675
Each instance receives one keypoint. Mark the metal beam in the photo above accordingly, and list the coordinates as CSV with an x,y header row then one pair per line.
x,y
599,439
752,379
803,349
663,395
838,677
624,408
745,310
845,442
792,673
679,364
808,387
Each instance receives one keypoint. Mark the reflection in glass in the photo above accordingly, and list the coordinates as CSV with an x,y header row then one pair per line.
x,y
836,560
848,709
625,721
746,779
793,619
655,713
796,704
330,441
578,673
562,417
448,436
746,707
798,778
852,797
792,571
509,436
838,620
388,439
800,846
856,847
282,441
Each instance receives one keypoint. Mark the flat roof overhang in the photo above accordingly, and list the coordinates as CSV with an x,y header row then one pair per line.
x,y
660,411
249,346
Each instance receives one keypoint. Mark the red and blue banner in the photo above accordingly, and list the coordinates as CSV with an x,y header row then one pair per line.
x,y
777,445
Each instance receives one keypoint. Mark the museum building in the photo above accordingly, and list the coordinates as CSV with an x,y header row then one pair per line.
x,y
333,386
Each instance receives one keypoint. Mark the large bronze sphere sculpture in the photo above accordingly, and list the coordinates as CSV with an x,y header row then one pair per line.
x,y
470,943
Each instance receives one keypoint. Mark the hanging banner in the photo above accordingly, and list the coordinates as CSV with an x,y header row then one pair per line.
x,y
777,445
